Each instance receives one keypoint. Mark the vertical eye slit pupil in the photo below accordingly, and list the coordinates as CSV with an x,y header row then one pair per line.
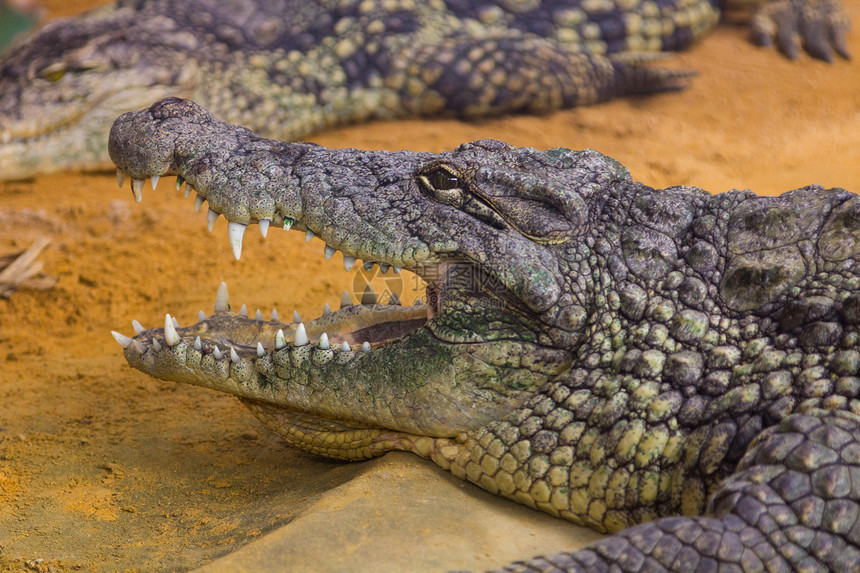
x,y
443,180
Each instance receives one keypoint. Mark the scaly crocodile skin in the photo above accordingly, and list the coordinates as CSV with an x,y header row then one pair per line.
x,y
591,347
288,67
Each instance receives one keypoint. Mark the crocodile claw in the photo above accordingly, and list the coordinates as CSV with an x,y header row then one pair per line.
x,y
820,29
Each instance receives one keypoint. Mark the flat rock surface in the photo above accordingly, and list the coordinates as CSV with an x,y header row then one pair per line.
x,y
105,469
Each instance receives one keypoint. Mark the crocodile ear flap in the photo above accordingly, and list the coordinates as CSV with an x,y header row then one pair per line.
x,y
540,210
537,220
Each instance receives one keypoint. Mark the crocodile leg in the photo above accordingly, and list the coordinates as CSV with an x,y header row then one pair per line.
x,y
820,28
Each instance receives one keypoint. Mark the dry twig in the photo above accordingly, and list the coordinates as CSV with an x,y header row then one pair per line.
x,y
23,270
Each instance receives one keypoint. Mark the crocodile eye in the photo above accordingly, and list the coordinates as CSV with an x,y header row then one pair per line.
x,y
442,184
443,180
53,73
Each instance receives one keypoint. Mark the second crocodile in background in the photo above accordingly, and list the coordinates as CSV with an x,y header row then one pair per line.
x,y
285,68
591,347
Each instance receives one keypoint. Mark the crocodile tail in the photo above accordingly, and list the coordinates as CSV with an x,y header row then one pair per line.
x,y
497,75
634,74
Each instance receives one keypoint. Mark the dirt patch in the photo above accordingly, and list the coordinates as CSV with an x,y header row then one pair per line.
x,y
103,468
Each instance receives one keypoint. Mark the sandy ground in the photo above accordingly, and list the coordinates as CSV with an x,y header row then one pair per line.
x,y
105,469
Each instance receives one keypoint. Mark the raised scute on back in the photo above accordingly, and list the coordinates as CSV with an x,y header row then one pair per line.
x,y
766,240
840,236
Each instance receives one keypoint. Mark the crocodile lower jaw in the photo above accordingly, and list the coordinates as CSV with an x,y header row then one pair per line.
x,y
221,351
226,333
342,440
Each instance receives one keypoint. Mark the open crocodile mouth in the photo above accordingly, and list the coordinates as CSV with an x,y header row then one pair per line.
x,y
356,327
281,369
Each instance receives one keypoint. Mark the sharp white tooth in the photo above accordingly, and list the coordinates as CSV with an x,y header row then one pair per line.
x,y
309,235
288,223
348,262
368,266
123,340
296,316
211,217
397,270
137,189
275,317
301,337
156,345
198,202
188,189
394,299
138,346
235,231
258,316
233,356
368,297
243,311
280,340
264,227
171,337
345,346
120,177
217,353
365,346
345,299
222,299
179,182
324,345
198,346
260,350
328,252
201,316
155,179
383,268
175,322
138,328
326,310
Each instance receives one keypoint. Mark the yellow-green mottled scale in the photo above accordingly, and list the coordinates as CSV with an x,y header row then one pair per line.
x,y
285,68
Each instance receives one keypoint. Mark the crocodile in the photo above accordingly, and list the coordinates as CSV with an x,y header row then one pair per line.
x,y
675,368
286,68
